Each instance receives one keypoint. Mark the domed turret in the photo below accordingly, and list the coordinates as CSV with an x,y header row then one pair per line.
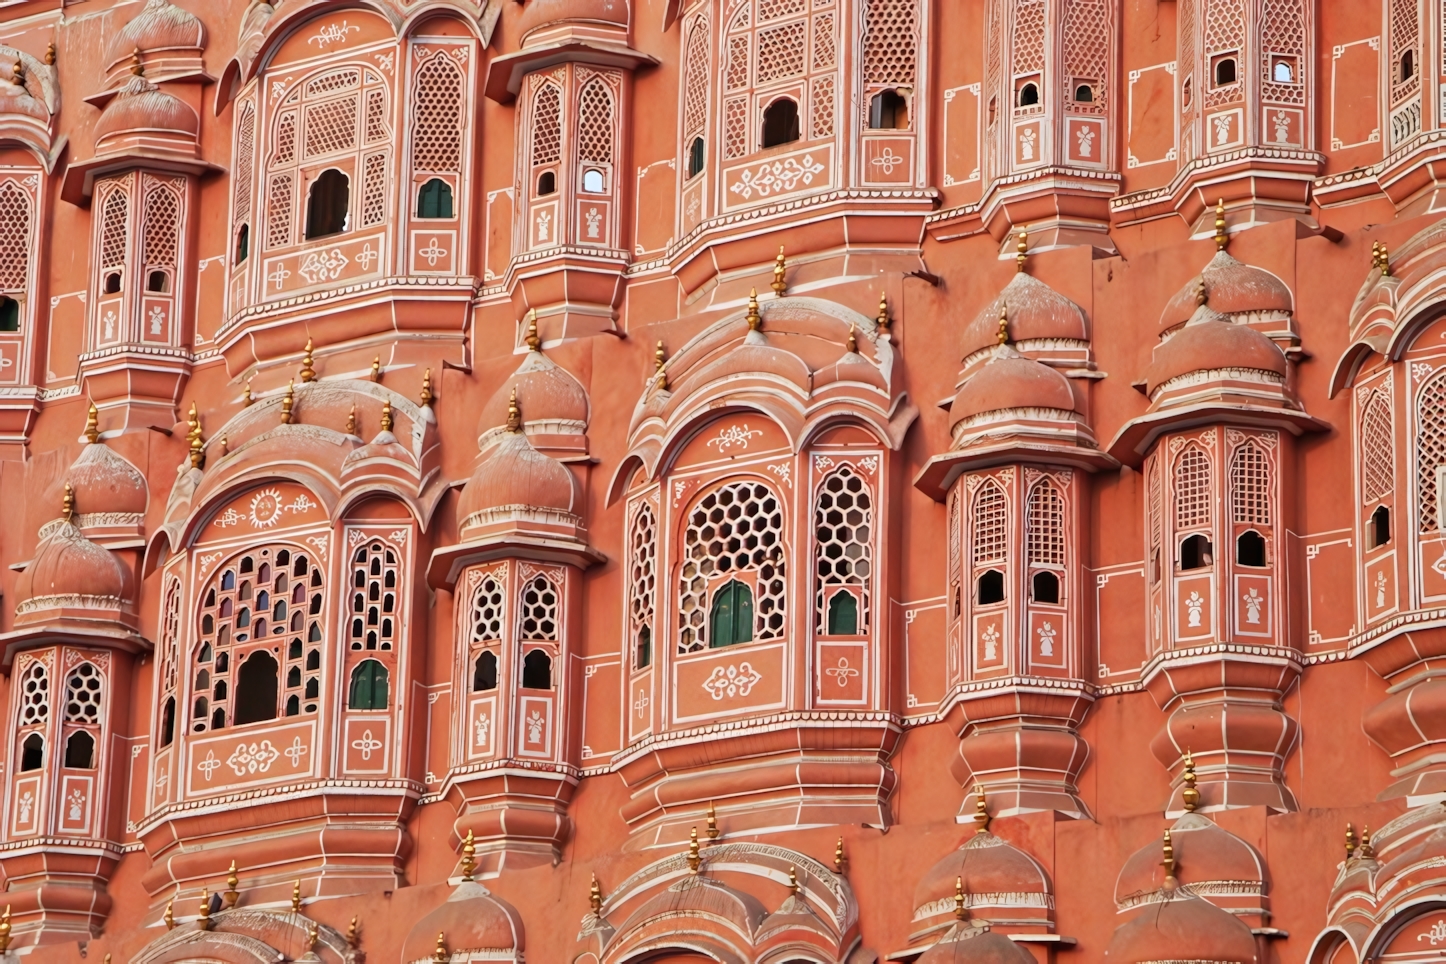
x,y
1208,342
1011,381
142,111
160,27
73,579
554,402
1235,289
965,944
1034,311
1182,927
15,98
1209,859
539,16
472,920
517,476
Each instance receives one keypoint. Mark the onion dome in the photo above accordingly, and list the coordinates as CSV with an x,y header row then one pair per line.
x,y
1234,288
987,870
1182,927
965,944
103,481
16,99
697,895
554,403
1011,381
143,110
851,367
1209,860
542,14
472,920
516,475
1210,343
72,578
160,27
1034,311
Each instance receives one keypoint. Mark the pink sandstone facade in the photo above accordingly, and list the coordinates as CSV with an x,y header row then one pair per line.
x,y
739,481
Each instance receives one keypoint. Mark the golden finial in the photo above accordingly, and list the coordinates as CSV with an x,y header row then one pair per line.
x,y
203,921
287,401
387,415
231,895
246,398
469,855
296,896
377,368
1350,841
1366,850
17,73
981,810
1189,795
1021,250
534,343
351,421
441,954
5,929
169,917
712,830
1385,261
197,444
136,67
426,388
839,860
660,359
1201,295
1375,254
793,887
853,342
959,912
1169,862
308,373
351,934
50,54
67,503
221,447
1221,238
1003,323
106,959
92,425
779,266
594,896
694,858
755,320
883,320
514,414
312,934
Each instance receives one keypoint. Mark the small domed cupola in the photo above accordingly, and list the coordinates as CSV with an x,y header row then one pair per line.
x,y
16,101
111,492
471,921
555,403
1182,927
557,31
1035,312
166,41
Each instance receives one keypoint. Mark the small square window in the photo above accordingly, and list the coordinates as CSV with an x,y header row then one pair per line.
x,y
1284,69
1224,69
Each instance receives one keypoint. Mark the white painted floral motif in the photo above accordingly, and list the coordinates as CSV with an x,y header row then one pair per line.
x,y
322,266
333,33
1026,145
543,220
776,177
733,435
991,642
432,252
1380,589
887,161
76,806
784,471
250,758
366,256
594,222
366,745
641,704
481,730
1254,602
278,276
1046,634
295,751
1195,605
1282,126
27,801
158,319
1084,138
843,672
1222,128
209,765
534,727
732,680
109,324
1436,933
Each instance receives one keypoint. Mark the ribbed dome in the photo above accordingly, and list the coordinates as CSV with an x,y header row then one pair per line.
x,y
516,474
539,14
68,564
986,864
1034,310
1204,851
140,107
700,896
1182,928
15,99
472,919
1009,380
104,482
1232,287
1207,343
161,25
973,945
545,392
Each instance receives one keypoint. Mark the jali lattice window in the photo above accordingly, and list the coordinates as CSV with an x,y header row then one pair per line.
x,y
485,618
1430,447
843,550
35,695
736,528
1192,489
642,583
1045,525
374,581
695,95
15,244
991,524
1250,485
1378,469
83,691
779,48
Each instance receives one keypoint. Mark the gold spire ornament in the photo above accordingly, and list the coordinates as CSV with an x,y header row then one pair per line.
x,y
1365,849
377,368
288,400
197,444
780,265
136,67
755,320
426,388
1003,323
883,319
695,859
1190,796
469,856
534,342
1375,254
1221,238
229,898
514,414
793,887
595,896
387,415
1385,261
959,912
351,421
853,342
67,503
1169,862
840,861
712,830
981,809
221,447
5,930
441,954
1350,841
296,896
313,934
308,371
92,425
50,54
169,917
246,398
1021,250
660,375
1201,295
203,920
352,938
17,73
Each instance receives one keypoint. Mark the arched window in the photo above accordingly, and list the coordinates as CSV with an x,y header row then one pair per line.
x,y
35,695
1084,94
484,672
990,536
1224,71
538,613
843,614
546,134
16,205
1044,587
9,314
780,123
1430,448
327,204
1282,73
160,232
83,691
113,283
1195,553
1045,525
1028,95
888,110
695,157
737,527
1250,485
595,126
546,183
245,162
375,591
537,670
1380,528
368,686
695,92
990,587
1378,472
158,282
80,751
843,544
114,235
438,116
243,243
1408,65
593,181
891,45
168,721
32,753
642,582
434,199
1250,548
731,620
256,689
1192,489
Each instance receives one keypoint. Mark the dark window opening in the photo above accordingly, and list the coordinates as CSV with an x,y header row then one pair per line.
x,y
991,587
645,647
1380,533
218,718
1408,65
256,681
80,751
326,205
434,200
112,283
200,708
243,243
9,314
732,618
1195,553
993,110
32,752
888,110
695,157
168,722
1084,94
843,615
1250,549
158,282
546,184
537,671
484,675
1045,587
1224,71
368,686
1029,95
780,123
293,705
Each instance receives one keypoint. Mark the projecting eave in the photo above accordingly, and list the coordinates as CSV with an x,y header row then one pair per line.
x,y
447,562
101,635
939,472
80,177
1134,441
505,73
